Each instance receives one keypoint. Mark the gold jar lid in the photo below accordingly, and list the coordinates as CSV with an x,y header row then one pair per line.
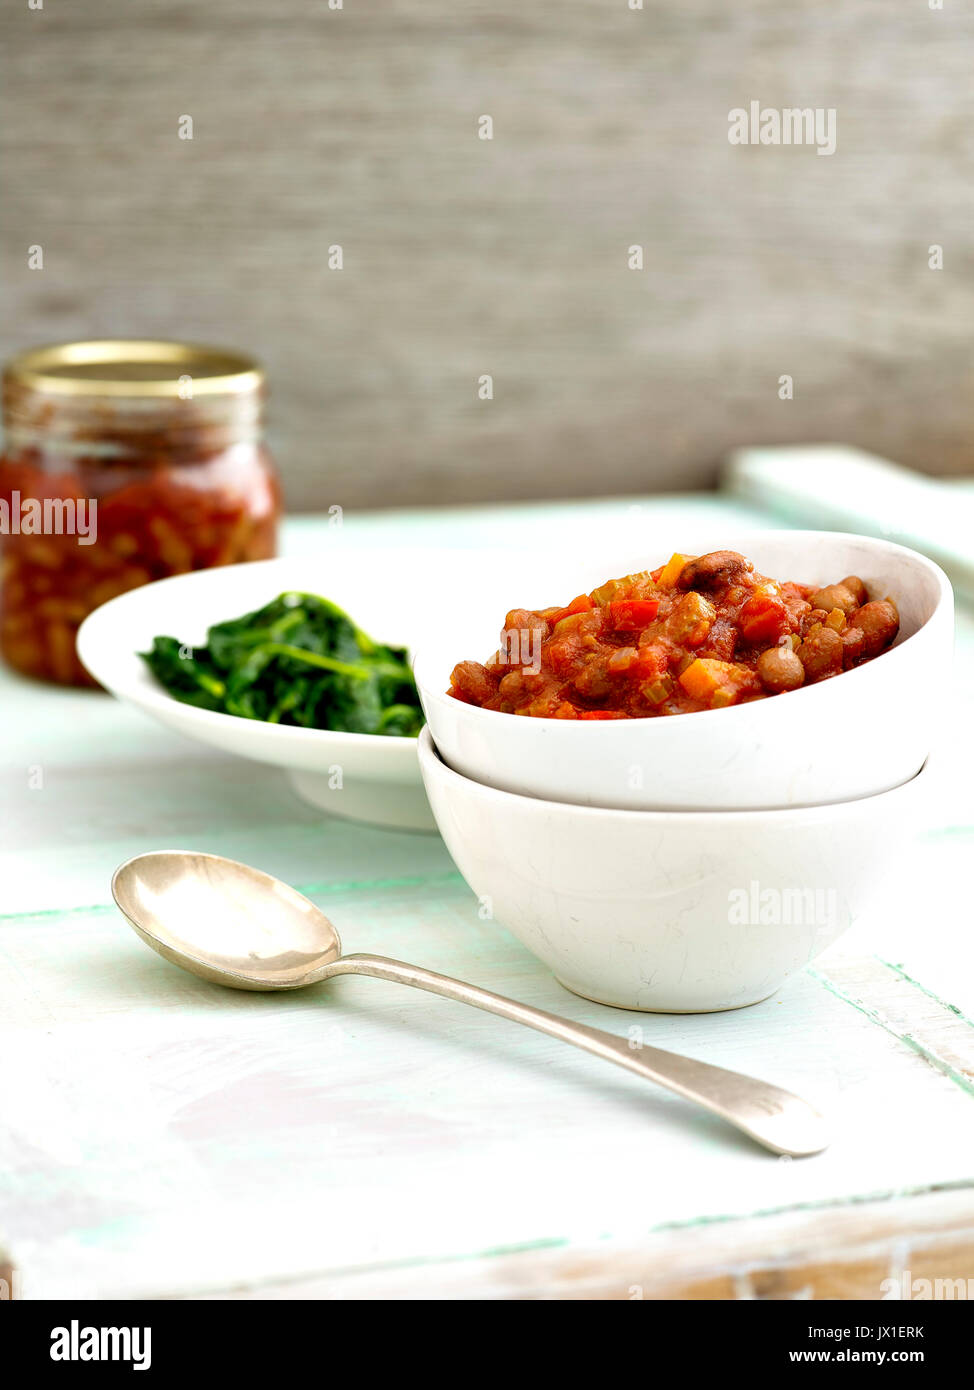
x,y
130,367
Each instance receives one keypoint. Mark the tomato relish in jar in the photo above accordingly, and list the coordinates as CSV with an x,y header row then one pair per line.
x,y
123,462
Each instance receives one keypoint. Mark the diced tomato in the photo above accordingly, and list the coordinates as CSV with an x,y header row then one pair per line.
x,y
582,604
721,640
563,657
648,663
763,619
632,614
601,714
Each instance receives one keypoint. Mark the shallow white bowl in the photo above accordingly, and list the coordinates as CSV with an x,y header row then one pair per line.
x,y
860,733
359,776
672,912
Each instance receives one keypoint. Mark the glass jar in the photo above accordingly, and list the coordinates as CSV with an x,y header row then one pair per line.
x,y
123,462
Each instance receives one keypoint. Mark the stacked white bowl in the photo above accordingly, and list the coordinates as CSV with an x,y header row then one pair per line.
x,y
695,862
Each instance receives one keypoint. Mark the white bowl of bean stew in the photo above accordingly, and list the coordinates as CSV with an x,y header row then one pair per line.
x,y
770,670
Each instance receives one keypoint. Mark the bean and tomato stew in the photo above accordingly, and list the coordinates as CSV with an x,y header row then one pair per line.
x,y
701,632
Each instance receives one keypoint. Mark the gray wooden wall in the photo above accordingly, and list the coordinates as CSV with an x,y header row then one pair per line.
x,y
463,256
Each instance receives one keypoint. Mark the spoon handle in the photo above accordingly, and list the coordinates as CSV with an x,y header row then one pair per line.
x,y
782,1122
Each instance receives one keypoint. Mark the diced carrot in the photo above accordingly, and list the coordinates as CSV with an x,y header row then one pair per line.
x,y
672,570
600,714
564,711
706,674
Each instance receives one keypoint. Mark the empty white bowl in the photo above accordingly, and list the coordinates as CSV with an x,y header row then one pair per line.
x,y
674,912
857,734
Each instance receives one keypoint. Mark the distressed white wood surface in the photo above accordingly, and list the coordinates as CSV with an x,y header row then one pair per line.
x,y
162,1136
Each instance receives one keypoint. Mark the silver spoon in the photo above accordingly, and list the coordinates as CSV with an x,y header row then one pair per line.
x,y
233,925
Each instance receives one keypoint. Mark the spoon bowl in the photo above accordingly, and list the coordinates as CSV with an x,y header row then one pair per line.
x,y
226,922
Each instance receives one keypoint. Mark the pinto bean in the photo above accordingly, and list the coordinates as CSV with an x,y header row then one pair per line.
x,y
525,620
821,653
853,644
834,596
714,571
879,623
856,587
780,669
592,681
518,685
473,683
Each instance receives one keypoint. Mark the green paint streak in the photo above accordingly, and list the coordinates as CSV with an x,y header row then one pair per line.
x,y
952,1008
349,885
522,1247
525,1247
856,1199
43,912
939,1063
363,885
565,1243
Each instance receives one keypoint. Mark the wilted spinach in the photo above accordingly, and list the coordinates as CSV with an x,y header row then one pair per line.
x,y
299,660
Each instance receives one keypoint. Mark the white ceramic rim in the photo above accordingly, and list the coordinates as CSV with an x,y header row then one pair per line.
x,y
429,757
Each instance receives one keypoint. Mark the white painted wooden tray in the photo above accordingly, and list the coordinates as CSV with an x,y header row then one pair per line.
x,y
161,1136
